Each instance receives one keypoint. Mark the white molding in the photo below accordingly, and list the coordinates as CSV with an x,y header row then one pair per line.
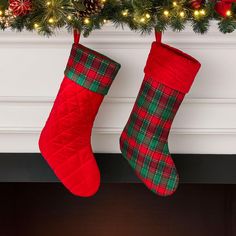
x,y
108,142
110,35
24,101
123,100
117,131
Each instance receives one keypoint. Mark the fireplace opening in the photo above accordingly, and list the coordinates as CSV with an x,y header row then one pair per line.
x,y
36,209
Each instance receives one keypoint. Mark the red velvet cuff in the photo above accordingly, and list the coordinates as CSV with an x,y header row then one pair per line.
x,y
171,67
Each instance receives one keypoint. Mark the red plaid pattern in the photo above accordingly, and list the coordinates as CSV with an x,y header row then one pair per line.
x,y
144,139
169,74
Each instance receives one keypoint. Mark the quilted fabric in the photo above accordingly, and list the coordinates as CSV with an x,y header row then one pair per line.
x,y
144,140
65,141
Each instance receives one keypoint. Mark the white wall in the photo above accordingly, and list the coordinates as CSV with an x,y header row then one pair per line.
x,y
31,69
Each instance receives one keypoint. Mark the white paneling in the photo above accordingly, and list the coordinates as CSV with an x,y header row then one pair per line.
x,y
114,112
32,69
205,142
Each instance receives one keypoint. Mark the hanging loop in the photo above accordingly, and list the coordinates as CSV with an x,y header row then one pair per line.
x,y
76,36
158,36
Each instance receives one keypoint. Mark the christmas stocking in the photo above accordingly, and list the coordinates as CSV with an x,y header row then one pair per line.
x,y
65,140
169,74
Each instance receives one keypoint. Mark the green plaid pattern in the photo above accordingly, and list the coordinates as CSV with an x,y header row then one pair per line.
x,y
144,140
91,69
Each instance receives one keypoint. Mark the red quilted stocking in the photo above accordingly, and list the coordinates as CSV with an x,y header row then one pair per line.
x,y
169,74
65,140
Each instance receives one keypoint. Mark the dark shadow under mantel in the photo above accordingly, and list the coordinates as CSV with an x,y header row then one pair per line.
x,y
192,168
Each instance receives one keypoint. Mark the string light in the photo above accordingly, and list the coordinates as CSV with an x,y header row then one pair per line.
x,y
51,20
125,13
203,12
86,21
166,13
228,13
176,11
69,17
182,14
196,13
175,4
142,20
36,26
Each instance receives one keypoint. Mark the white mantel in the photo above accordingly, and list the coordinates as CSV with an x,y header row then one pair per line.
x,y
31,69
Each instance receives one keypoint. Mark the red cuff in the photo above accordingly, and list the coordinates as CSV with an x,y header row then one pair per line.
x,y
171,67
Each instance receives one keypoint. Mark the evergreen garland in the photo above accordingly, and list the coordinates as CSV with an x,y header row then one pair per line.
x,y
47,16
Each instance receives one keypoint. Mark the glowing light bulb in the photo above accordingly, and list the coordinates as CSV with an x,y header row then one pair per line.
x,y
196,13
36,26
182,14
69,17
1,13
147,16
142,20
86,21
228,13
51,21
166,13
203,12
125,13
48,3
104,21
175,4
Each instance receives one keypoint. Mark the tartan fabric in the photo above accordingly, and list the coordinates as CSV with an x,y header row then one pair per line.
x,y
144,139
91,69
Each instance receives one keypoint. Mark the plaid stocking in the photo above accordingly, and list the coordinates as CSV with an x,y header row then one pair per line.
x,y
65,140
169,74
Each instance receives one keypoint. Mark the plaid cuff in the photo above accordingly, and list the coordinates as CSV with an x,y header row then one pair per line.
x,y
171,67
91,69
